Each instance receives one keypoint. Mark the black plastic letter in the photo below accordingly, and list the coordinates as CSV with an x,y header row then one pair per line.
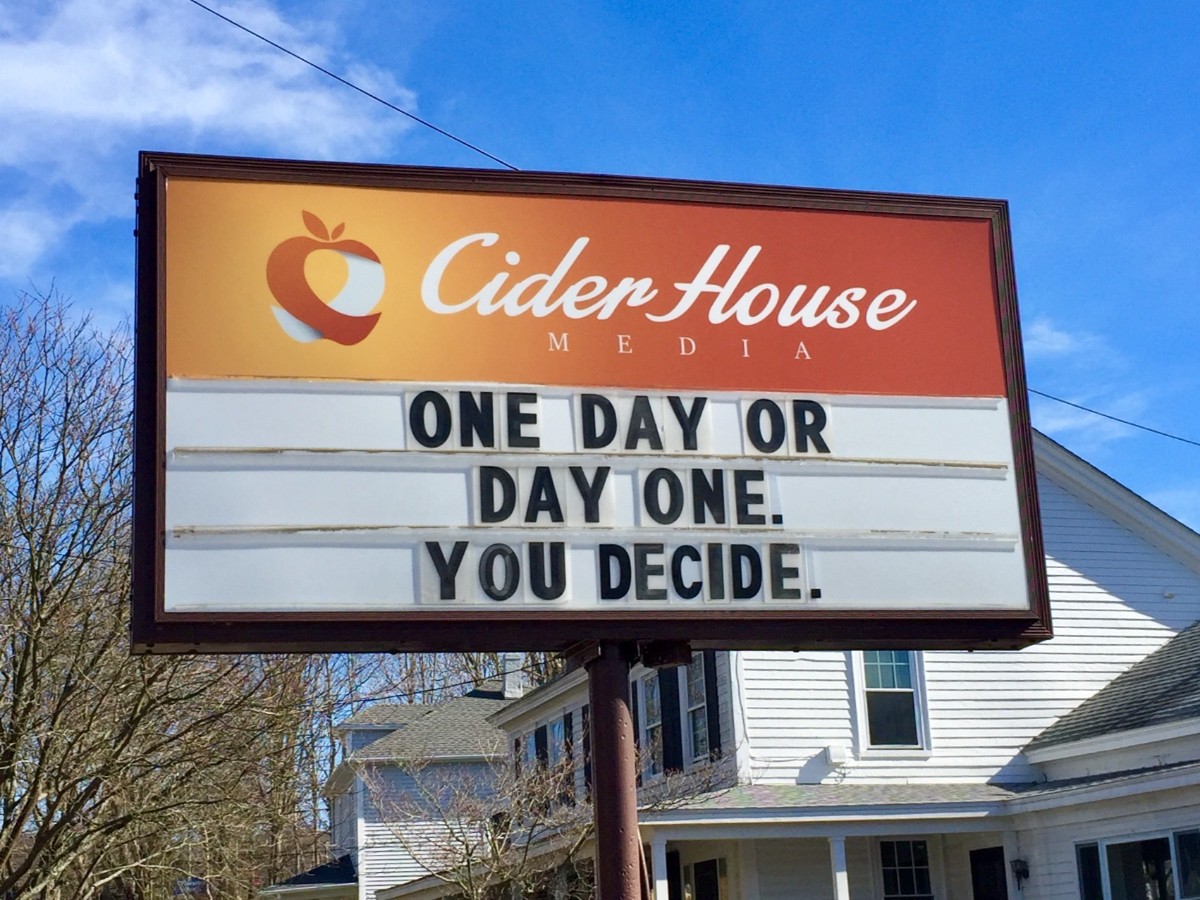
x,y
608,556
491,510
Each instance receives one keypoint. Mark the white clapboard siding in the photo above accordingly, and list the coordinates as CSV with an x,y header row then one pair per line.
x,y
860,868
397,846
788,868
1115,598
343,824
385,861
793,706
794,868
394,791
725,704
1050,850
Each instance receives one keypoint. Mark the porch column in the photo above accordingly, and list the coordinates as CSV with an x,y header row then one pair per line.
x,y
1012,850
658,863
841,878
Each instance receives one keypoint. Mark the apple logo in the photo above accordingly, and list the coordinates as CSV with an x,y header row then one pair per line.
x,y
347,318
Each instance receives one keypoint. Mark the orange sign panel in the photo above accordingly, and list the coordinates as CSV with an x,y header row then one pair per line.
x,y
328,281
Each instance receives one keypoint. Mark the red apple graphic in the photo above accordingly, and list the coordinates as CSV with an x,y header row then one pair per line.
x,y
347,318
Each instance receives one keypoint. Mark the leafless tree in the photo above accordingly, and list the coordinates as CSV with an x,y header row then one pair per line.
x,y
479,828
507,829
120,775
115,772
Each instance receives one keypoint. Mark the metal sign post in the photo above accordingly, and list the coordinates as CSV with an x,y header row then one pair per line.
x,y
614,776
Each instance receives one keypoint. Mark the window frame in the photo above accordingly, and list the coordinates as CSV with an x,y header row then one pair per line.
x,y
931,866
655,764
1171,835
923,749
1175,867
529,760
687,877
556,740
559,750
691,757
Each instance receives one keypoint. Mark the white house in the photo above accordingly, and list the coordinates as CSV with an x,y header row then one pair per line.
x,y
900,775
446,741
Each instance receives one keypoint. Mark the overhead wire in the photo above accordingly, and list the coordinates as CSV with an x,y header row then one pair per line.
x,y
442,688
1104,415
509,165
355,87
496,159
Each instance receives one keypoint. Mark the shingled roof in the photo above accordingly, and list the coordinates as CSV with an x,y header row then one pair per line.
x,y
453,728
869,801
767,797
384,715
1158,690
340,871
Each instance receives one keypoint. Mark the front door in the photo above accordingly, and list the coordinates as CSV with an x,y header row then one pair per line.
x,y
987,874
708,885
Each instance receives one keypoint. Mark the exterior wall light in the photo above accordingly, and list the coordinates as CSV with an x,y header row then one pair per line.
x,y
1020,870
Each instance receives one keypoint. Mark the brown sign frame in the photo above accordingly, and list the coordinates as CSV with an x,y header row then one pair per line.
x,y
155,631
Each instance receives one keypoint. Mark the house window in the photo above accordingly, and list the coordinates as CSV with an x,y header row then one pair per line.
x,y
557,744
890,691
1140,870
1187,859
697,708
675,715
1087,859
1164,867
652,730
585,730
529,757
706,880
559,757
905,869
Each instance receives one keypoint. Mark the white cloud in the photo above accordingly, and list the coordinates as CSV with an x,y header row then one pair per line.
x,y
25,233
1043,339
1084,369
89,82
1084,431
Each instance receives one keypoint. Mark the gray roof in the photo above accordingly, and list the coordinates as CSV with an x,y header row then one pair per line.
x,y
1158,690
1103,779
765,797
452,728
340,871
384,715
749,801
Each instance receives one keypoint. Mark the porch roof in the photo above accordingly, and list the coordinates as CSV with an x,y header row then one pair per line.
x,y
332,879
808,796
1160,689
821,804
797,809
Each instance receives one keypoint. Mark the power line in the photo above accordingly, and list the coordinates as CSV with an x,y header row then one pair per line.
x,y
438,689
510,166
1096,412
353,86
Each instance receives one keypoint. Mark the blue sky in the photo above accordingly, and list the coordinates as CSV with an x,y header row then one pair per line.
x,y
1084,117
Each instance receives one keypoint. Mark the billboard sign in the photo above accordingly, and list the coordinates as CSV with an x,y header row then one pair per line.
x,y
394,408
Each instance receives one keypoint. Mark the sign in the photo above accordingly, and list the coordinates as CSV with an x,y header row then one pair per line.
x,y
392,408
